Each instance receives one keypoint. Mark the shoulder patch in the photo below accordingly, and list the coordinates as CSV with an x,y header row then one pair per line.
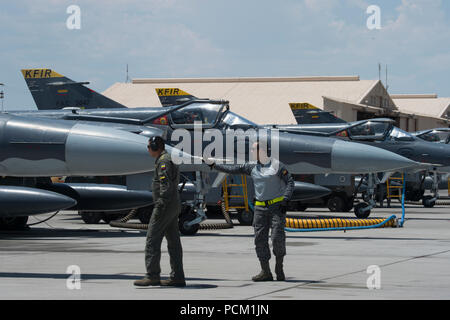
x,y
163,167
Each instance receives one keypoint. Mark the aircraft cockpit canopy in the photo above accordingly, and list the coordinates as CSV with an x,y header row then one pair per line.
x,y
234,120
401,135
205,113
436,135
370,130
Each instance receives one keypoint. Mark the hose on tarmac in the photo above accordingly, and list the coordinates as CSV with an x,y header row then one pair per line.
x,y
42,221
317,224
123,223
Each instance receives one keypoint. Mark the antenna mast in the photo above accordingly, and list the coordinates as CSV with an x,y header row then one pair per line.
x,y
2,95
387,86
128,78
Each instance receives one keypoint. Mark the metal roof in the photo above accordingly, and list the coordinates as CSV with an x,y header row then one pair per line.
x,y
423,104
263,100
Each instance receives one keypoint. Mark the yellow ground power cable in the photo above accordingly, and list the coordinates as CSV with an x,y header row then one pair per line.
x,y
327,224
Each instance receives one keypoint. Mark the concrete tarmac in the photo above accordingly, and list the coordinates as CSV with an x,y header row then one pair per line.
x,y
411,262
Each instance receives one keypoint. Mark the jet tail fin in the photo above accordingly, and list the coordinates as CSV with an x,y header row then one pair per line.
x,y
306,113
173,96
51,90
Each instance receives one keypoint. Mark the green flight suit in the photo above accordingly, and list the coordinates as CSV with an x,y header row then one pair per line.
x,y
164,220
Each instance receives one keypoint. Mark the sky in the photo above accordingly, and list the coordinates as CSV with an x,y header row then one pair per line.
x,y
215,38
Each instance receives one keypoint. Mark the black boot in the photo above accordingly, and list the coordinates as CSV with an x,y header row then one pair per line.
x,y
146,281
279,269
265,274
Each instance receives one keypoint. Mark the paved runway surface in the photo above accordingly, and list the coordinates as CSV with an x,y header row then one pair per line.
x,y
414,261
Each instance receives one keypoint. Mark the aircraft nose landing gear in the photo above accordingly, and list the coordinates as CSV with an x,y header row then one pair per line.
x,y
187,221
430,201
362,209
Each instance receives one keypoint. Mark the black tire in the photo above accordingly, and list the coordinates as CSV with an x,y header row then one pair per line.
x,y
336,204
358,210
91,217
184,229
14,223
427,203
245,217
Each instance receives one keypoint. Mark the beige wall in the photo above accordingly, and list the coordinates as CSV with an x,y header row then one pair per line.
x,y
429,123
412,124
403,123
342,110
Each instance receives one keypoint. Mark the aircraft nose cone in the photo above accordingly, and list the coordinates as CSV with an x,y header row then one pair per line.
x,y
104,151
347,157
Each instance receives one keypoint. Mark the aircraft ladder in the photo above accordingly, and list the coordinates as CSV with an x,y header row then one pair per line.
x,y
390,188
227,197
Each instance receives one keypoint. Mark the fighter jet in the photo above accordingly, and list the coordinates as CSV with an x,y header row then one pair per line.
x,y
382,133
37,147
376,132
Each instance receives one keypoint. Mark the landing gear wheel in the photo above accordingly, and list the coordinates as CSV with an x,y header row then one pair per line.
x,y
359,213
336,204
427,203
184,227
245,217
13,223
91,217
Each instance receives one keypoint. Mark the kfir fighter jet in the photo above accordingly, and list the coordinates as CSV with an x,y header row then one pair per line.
x,y
38,147
433,158
376,132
